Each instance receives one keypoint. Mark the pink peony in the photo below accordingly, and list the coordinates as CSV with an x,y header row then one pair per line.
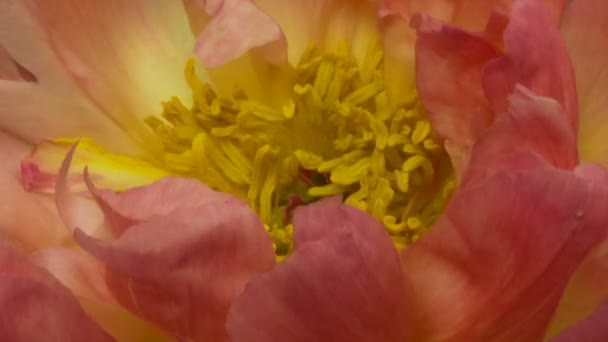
x,y
328,170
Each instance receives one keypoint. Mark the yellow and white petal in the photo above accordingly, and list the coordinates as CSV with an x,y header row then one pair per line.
x,y
126,56
39,171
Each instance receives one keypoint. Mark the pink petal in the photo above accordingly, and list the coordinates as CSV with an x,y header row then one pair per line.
x,y
533,125
236,27
476,260
535,57
189,252
585,30
449,65
37,307
27,218
53,105
126,56
591,329
342,283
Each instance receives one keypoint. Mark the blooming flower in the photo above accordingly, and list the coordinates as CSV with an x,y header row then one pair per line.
x,y
301,184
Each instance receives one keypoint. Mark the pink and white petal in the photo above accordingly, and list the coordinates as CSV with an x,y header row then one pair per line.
x,y
449,64
535,57
127,56
476,259
591,329
117,172
41,309
532,125
53,105
342,283
27,218
182,270
585,30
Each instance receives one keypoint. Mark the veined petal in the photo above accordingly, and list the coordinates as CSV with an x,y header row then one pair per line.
x,y
535,57
181,267
125,55
28,218
476,259
533,125
37,307
343,283
117,172
585,30
591,329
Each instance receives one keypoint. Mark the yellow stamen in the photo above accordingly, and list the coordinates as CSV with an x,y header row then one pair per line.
x,y
336,135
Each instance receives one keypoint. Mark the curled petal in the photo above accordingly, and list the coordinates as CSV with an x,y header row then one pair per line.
x,y
533,125
41,309
585,30
108,170
236,27
482,246
535,57
180,262
343,283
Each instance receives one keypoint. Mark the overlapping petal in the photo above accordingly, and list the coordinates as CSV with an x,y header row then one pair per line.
x,y
536,57
343,283
186,253
37,307
532,132
449,63
482,248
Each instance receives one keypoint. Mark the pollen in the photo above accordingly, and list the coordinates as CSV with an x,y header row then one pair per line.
x,y
336,134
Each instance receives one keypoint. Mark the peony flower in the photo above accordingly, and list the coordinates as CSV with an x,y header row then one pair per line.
x,y
318,170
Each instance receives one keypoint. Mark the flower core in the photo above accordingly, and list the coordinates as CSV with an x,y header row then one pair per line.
x,y
336,134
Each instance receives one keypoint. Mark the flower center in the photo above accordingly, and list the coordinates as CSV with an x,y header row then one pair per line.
x,y
335,135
